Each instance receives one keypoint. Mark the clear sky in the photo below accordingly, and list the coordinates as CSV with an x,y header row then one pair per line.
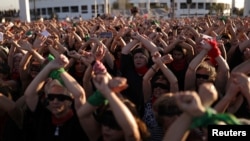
x,y
14,4
9,4
239,3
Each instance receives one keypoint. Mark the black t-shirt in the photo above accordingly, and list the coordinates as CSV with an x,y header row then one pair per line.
x,y
134,91
39,127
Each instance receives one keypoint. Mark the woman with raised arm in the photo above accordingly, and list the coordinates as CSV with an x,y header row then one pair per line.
x,y
107,116
207,66
52,114
135,62
158,80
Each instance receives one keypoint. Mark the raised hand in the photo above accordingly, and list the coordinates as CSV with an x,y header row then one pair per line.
x,y
118,84
59,62
166,59
205,45
25,45
39,41
101,82
74,54
190,102
242,81
208,94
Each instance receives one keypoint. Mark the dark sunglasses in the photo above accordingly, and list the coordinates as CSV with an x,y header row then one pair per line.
x,y
59,97
160,85
203,76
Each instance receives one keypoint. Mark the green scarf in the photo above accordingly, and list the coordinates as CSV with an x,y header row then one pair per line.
x,y
211,117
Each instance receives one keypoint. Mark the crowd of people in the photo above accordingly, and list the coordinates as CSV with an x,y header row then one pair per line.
x,y
9,13
123,79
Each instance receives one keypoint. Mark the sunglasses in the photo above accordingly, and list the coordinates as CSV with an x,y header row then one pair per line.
x,y
161,85
203,76
59,97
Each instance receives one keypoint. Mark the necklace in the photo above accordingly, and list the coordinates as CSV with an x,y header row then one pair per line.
x,y
57,131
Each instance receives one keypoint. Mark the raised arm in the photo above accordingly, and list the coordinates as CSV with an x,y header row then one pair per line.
x,y
191,71
190,103
31,92
161,62
122,114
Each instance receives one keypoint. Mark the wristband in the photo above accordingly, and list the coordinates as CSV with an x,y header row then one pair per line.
x,y
55,74
96,99
51,57
212,118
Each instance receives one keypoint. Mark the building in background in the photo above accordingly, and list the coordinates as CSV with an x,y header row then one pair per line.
x,y
87,9
246,8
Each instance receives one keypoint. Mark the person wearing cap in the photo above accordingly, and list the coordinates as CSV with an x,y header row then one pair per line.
x,y
51,115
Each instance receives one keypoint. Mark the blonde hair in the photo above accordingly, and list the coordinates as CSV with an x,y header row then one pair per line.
x,y
211,69
56,83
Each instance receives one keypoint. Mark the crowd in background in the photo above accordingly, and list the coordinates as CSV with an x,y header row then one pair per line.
x,y
9,13
112,78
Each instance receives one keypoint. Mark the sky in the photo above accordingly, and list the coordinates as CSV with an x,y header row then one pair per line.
x,y
14,4
9,4
239,3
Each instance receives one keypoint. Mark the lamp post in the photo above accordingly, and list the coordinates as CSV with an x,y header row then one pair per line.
x,y
173,8
95,9
35,9
189,2
148,5
188,9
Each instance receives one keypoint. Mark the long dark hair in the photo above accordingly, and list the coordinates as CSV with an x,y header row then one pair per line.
x,y
103,113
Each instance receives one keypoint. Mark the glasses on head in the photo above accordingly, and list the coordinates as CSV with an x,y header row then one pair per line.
x,y
161,85
59,97
202,76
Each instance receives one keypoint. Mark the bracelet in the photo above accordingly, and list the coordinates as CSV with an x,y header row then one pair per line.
x,y
51,57
210,117
153,69
96,99
55,74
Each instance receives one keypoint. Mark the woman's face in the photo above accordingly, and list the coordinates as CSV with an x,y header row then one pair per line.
x,y
202,75
100,52
17,60
246,53
34,69
140,60
58,101
80,67
160,86
177,55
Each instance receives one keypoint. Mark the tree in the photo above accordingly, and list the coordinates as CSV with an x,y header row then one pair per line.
x,y
116,4
217,8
